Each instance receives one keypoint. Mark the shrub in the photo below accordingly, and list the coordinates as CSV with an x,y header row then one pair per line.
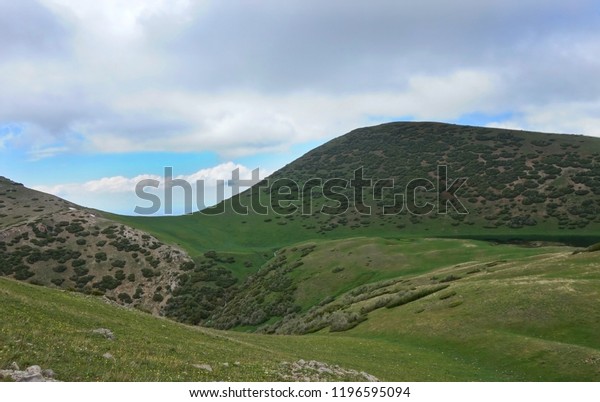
x,y
405,298
450,278
57,281
59,268
81,271
118,263
147,273
343,320
157,297
107,283
447,295
188,265
125,298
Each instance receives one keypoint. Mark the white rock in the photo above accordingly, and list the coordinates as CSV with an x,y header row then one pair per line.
x,y
206,367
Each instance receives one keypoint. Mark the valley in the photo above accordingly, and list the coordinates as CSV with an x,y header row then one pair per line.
x,y
506,292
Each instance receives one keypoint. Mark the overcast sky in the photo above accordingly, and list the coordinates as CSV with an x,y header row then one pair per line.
x,y
96,94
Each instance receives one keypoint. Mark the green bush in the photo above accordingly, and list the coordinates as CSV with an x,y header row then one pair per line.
x,y
107,283
59,268
147,272
118,263
125,298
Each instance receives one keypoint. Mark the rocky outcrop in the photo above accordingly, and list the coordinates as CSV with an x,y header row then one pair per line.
x,y
313,370
30,374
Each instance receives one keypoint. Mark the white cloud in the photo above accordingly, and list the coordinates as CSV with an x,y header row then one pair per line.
x,y
239,78
117,193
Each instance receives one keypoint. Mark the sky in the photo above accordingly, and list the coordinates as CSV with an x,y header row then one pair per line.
x,y
98,95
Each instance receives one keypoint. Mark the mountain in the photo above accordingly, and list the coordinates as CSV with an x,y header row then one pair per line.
x,y
516,186
426,291
46,240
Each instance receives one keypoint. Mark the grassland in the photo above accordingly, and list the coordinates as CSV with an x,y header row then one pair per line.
x,y
404,297
531,316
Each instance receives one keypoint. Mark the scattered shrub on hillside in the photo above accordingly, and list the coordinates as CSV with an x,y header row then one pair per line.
x,y
147,273
344,320
405,298
107,283
118,263
59,268
187,266
447,295
100,256
125,298
450,278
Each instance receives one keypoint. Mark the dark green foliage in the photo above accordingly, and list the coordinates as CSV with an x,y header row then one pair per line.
x,y
125,298
100,256
80,270
59,268
107,283
118,263
147,273
57,281
188,265
138,293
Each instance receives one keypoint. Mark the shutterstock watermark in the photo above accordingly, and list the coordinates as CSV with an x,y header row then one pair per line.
x,y
332,196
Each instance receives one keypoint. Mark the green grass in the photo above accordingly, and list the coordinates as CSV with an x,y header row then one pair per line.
x,y
509,312
531,318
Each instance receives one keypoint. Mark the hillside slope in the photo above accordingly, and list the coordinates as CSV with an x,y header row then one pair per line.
x,y
518,184
532,317
48,241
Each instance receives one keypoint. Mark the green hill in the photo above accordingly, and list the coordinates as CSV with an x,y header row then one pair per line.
x,y
48,241
528,315
499,293
519,184
520,187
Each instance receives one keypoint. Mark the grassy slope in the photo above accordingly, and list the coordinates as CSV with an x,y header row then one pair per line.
x,y
534,317
512,175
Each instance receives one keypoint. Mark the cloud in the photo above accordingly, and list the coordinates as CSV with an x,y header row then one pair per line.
x,y
240,78
118,193
29,29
